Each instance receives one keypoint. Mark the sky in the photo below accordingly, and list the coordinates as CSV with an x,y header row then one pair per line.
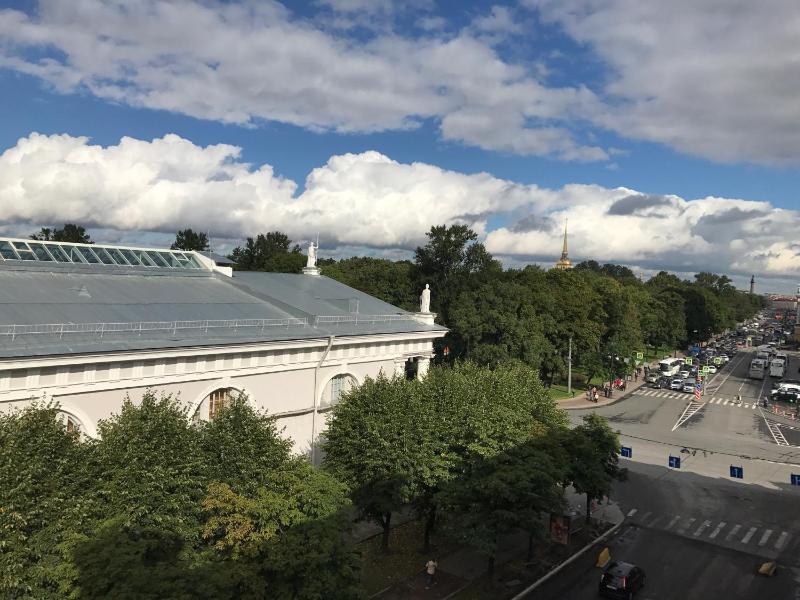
x,y
666,133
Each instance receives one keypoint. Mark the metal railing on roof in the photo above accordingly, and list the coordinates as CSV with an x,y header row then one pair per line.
x,y
356,319
140,327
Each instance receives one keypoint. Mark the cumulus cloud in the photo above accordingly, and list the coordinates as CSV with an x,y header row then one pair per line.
x,y
717,79
141,189
246,62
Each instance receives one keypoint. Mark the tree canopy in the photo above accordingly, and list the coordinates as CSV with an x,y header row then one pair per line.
x,y
69,233
188,239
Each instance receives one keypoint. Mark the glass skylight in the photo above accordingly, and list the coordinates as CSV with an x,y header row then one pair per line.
x,y
113,256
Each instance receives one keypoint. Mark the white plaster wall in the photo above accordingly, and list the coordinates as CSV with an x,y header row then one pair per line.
x,y
282,381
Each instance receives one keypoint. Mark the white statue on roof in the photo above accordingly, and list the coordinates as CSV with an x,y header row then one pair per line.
x,y
425,300
312,256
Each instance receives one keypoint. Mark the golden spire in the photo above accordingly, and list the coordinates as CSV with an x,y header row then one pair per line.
x,y
564,262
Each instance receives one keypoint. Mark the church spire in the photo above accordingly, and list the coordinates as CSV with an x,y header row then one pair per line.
x,y
564,262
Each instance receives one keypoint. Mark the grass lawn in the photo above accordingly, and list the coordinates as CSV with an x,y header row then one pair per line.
x,y
559,392
381,569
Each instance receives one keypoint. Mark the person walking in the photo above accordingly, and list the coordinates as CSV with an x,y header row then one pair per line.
x,y
430,569
594,394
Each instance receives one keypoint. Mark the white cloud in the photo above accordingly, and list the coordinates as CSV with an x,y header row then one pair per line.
x,y
139,190
717,78
244,62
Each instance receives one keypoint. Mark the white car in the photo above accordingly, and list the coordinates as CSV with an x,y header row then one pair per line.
x,y
712,368
676,384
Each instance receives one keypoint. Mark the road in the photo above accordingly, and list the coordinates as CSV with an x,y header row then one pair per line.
x,y
697,532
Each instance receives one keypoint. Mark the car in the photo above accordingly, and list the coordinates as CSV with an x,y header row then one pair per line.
x,y
621,580
688,386
660,383
784,396
712,369
676,384
685,373
653,377
725,358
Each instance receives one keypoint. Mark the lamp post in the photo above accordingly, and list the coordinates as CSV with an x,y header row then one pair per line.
x,y
569,368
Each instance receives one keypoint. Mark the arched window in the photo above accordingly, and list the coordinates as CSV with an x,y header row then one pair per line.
x,y
70,422
209,408
339,385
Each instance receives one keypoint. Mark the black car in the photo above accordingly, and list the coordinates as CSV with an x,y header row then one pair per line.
x,y
621,580
660,383
784,396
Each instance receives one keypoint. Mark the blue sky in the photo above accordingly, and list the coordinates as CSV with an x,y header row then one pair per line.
x,y
668,135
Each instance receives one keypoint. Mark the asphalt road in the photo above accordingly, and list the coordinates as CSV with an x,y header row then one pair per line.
x,y
697,532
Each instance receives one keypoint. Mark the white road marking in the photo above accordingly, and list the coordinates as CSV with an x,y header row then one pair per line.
x,y
754,405
747,405
654,521
776,432
632,512
781,540
700,529
724,403
674,520
716,531
748,535
765,537
688,525
691,410
732,533
645,515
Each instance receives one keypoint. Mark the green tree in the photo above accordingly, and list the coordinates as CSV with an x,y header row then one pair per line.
x,y
385,279
188,239
594,461
69,233
503,494
271,252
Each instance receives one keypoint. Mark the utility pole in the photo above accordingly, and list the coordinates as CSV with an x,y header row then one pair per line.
x,y
569,368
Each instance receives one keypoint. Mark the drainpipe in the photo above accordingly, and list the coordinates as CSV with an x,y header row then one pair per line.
x,y
314,414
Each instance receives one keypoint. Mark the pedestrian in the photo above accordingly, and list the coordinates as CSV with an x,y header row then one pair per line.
x,y
430,568
624,385
594,394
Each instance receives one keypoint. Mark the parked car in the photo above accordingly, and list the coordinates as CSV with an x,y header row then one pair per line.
x,y
660,383
676,384
688,385
784,396
621,580
712,368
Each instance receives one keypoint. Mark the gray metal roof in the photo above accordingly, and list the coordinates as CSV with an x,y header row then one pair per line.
x,y
88,309
217,258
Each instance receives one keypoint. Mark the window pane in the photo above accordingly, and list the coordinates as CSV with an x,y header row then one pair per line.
x,y
157,260
40,251
58,253
131,258
144,259
88,255
170,259
74,255
193,262
7,251
23,251
104,256
118,257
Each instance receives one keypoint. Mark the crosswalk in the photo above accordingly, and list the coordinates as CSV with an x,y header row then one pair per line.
x,y
763,538
718,400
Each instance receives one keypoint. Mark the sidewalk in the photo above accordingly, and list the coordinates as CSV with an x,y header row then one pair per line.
x,y
580,400
456,571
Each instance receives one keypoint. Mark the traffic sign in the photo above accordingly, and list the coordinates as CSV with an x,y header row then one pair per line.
x,y
674,462
626,451
717,360
688,360
795,479
737,472
640,356
704,370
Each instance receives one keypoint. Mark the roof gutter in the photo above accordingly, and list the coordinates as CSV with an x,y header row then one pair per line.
x,y
316,397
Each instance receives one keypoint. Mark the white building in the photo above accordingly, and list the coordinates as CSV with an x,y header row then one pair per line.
x,y
84,325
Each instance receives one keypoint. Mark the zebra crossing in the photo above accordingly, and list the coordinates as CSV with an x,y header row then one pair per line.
x,y
718,400
764,539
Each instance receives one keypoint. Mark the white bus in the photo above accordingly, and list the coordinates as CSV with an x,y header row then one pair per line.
x,y
757,369
669,366
777,368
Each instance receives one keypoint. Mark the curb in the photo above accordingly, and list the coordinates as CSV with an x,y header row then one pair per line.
x,y
620,398
567,562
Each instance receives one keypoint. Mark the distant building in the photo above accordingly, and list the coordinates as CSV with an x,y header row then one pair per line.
x,y
564,262
752,284
86,325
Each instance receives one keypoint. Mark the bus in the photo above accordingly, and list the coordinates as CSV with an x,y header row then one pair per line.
x,y
669,366
757,368
777,368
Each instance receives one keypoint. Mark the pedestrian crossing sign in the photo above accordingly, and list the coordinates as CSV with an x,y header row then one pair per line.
x,y
687,360
704,370
640,356
717,360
